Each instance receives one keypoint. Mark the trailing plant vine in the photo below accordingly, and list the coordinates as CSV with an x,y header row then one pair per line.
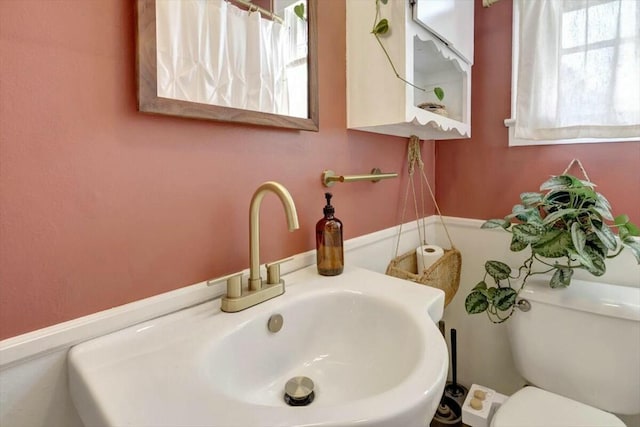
x,y
381,28
565,228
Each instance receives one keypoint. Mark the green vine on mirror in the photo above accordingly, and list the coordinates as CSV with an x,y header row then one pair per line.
x,y
381,28
565,228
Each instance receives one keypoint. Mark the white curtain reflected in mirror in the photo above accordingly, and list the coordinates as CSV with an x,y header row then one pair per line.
x,y
218,53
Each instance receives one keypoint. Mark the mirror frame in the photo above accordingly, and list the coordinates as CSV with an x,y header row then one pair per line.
x,y
147,80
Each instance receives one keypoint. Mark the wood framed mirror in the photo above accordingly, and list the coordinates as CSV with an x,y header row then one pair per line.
x,y
150,101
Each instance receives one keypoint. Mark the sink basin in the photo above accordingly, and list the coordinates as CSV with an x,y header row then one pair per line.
x,y
367,341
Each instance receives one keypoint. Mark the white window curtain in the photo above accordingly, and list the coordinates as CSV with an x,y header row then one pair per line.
x,y
212,52
578,69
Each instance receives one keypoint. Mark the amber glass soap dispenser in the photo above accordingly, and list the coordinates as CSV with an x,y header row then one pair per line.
x,y
330,253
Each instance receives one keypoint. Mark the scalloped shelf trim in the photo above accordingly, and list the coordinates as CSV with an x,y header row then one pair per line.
x,y
436,121
442,49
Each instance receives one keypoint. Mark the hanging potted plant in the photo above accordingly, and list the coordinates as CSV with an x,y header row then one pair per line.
x,y
566,226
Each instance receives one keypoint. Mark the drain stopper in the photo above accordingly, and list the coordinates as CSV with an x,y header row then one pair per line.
x,y
299,391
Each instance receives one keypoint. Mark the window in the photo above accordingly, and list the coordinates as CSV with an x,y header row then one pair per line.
x,y
576,72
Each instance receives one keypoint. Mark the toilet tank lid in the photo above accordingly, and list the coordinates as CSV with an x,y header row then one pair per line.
x,y
532,406
594,297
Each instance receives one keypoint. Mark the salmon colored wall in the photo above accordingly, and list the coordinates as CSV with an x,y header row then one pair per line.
x,y
101,205
483,177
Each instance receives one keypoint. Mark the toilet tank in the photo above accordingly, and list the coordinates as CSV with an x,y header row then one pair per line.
x,y
582,342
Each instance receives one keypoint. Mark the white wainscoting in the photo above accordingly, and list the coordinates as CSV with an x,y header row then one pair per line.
x,y
33,374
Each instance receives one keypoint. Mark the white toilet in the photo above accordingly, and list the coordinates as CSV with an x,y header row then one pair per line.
x,y
580,347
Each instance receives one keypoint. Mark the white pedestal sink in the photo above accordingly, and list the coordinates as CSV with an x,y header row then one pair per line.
x,y
368,342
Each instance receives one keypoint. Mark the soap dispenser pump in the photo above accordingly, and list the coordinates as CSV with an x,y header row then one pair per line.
x,y
329,247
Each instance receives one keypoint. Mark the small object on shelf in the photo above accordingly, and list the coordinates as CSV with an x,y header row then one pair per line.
x,y
476,404
479,394
435,108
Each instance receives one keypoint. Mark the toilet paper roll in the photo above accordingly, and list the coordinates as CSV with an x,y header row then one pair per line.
x,y
427,255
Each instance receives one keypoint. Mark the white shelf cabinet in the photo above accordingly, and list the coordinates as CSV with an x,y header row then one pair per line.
x,y
379,102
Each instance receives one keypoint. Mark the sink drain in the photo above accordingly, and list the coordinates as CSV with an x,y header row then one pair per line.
x,y
299,391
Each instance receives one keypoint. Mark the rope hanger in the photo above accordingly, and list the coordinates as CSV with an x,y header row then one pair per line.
x,y
444,272
579,163
414,159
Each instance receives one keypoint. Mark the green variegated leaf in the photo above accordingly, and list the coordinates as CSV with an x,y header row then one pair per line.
x,y
504,298
584,260
556,182
596,244
621,220
584,194
623,232
534,217
530,199
518,209
553,244
299,10
597,260
632,229
496,223
596,215
561,278
476,303
528,215
578,237
528,233
553,217
524,214
559,198
601,200
517,245
381,27
633,244
498,270
480,286
439,93
606,236
591,260
603,210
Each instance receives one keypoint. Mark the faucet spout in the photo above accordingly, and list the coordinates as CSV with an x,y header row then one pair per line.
x,y
255,281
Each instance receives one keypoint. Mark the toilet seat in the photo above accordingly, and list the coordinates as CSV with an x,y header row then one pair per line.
x,y
532,406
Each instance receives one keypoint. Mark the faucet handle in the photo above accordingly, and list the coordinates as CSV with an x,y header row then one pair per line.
x,y
234,284
273,271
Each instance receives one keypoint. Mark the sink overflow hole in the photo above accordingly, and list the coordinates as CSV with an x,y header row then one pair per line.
x,y
274,324
299,391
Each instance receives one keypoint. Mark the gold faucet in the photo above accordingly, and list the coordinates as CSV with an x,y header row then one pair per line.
x,y
257,291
